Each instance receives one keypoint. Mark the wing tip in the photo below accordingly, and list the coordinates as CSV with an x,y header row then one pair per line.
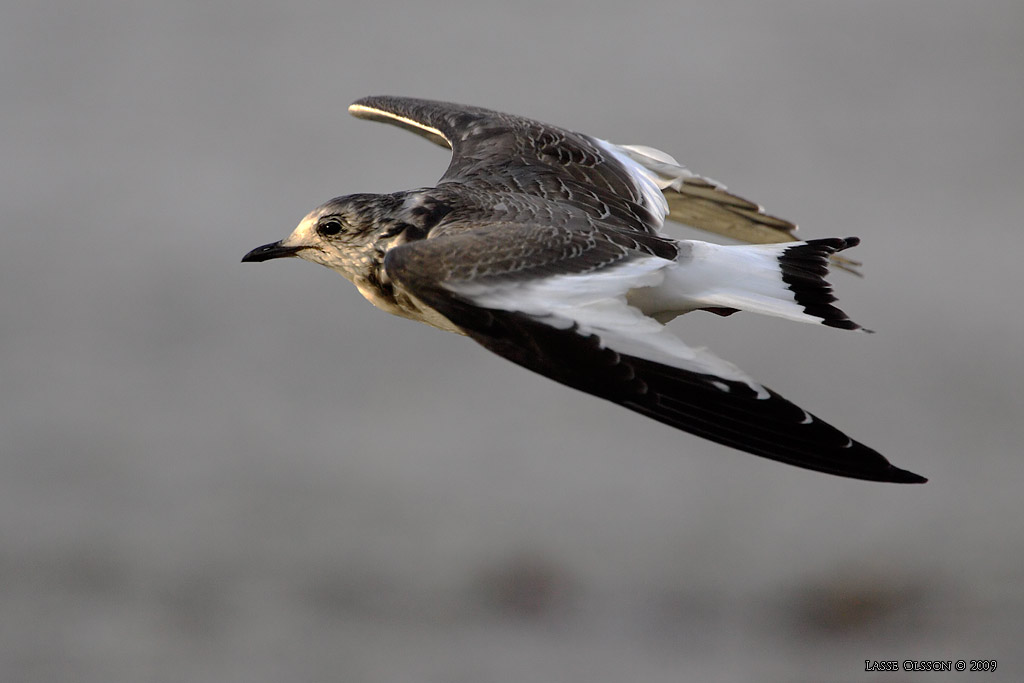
x,y
897,476
398,111
367,102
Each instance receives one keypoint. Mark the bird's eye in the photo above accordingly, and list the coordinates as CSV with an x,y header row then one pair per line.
x,y
329,226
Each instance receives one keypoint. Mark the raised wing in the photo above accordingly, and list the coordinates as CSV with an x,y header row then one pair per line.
x,y
632,185
503,152
553,301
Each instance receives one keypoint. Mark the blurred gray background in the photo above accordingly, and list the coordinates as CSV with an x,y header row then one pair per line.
x,y
222,472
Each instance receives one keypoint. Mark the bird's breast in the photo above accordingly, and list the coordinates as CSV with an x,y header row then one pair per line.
x,y
396,301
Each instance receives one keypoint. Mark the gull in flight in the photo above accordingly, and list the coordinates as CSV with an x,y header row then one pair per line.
x,y
545,246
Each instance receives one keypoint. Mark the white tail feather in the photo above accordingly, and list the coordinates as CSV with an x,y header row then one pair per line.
x,y
782,280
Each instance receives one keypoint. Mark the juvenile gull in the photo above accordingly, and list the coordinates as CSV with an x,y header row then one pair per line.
x,y
545,246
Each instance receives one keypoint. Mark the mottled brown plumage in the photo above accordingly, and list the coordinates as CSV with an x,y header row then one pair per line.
x,y
545,246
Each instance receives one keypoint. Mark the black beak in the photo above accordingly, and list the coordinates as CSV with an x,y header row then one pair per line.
x,y
269,251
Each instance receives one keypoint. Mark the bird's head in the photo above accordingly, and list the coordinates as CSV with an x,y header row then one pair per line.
x,y
339,234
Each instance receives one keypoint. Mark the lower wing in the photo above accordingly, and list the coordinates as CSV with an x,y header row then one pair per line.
x,y
576,328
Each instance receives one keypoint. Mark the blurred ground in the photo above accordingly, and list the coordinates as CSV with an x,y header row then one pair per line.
x,y
217,472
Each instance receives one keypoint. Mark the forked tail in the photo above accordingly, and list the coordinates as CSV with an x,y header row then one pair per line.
x,y
784,280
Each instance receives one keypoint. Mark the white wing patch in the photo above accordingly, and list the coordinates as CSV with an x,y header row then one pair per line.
x,y
596,303
646,181
665,171
707,204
